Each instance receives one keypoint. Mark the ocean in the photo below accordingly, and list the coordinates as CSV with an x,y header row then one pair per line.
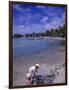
x,y
24,47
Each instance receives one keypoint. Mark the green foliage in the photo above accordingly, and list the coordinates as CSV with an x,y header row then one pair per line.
x,y
56,32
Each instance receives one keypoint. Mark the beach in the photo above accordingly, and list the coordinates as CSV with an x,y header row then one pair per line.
x,y
49,54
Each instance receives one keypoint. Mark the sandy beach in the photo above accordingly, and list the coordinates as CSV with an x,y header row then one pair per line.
x,y
39,37
46,61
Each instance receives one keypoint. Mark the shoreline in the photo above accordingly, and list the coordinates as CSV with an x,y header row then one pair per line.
x,y
21,67
39,38
46,59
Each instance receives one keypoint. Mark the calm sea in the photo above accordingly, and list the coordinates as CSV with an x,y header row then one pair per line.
x,y
25,47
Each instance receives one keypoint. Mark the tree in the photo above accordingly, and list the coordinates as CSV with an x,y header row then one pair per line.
x,y
17,36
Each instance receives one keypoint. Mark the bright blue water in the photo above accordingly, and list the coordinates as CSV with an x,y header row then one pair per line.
x,y
24,47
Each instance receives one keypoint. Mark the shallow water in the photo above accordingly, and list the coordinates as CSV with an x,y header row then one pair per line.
x,y
24,47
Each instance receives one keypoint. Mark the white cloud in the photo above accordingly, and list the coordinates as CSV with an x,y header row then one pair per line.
x,y
44,19
21,29
43,7
55,23
40,27
17,7
21,9
28,28
28,22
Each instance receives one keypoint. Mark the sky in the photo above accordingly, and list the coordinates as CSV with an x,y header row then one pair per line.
x,y
28,18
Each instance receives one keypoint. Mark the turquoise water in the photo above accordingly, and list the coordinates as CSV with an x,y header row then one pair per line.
x,y
25,47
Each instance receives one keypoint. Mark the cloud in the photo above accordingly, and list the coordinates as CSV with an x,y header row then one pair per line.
x,y
41,7
44,19
17,7
21,29
55,23
21,9
28,28
34,19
